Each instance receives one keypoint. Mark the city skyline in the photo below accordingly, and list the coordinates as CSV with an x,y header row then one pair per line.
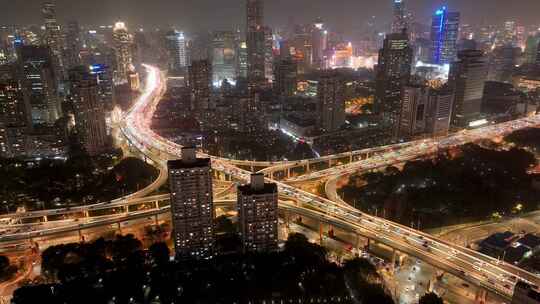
x,y
347,16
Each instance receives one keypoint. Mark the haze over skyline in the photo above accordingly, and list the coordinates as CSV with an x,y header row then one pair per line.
x,y
194,15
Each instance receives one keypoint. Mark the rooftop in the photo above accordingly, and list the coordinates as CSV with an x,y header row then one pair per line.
x,y
180,164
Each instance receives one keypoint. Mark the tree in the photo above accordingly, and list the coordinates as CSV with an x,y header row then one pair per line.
x,y
431,298
160,253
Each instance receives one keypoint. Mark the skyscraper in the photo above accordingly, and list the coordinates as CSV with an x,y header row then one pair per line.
x,y
73,45
53,38
39,85
123,52
256,41
89,110
192,207
331,101
176,46
200,79
258,214
286,77
399,21
393,71
467,80
444,36
223,57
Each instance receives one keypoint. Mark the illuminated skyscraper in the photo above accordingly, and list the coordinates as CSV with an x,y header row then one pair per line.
x,y
258,214
393,71
176,46
89,110
331,101
256,41
39,85
444,36
223,57
192,207
399,22
467,80
123,52
53,38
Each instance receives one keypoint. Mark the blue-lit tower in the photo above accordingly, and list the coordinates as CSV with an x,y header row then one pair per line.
x,y
444,36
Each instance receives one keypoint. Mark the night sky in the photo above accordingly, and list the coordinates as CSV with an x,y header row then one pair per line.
x,y
192,15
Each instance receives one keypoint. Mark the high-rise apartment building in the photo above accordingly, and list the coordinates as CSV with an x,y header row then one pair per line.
x,y
176,47
444,36
223,57
467,80
258,214
256,41
123,52
393,71
331,101
39,85
199,80
88,110
192,207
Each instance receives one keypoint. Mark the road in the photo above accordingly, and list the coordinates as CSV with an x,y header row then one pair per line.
x,y
467,264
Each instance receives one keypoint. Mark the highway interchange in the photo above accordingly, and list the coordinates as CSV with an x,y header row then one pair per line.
x,y
466,264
